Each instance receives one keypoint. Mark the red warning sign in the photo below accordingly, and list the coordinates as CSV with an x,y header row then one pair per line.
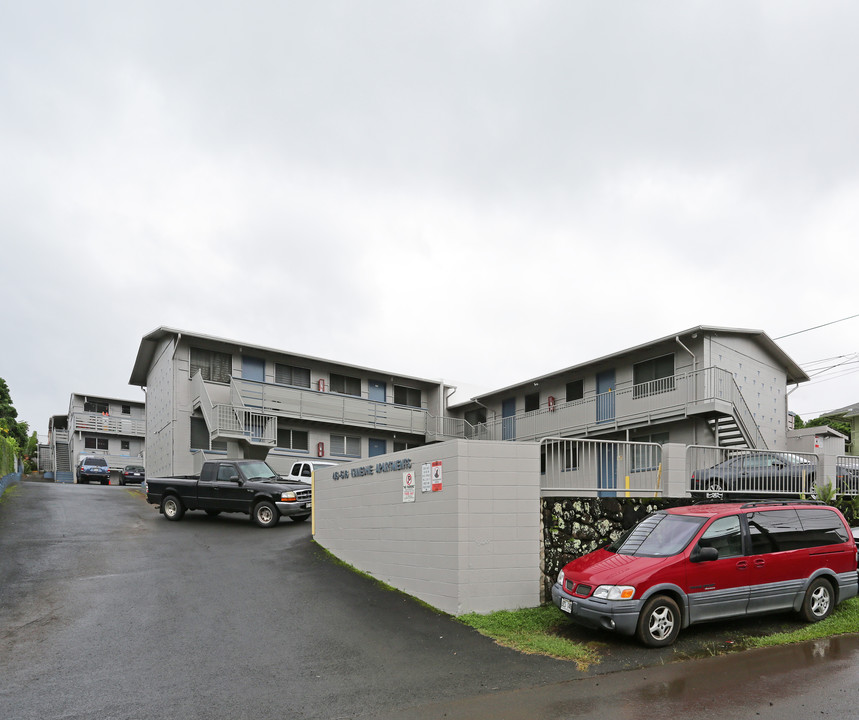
x,y
436,475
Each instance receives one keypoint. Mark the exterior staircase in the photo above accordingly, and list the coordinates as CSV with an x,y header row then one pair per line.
x,y
728,433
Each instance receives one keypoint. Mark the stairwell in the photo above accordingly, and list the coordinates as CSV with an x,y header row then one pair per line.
x,y
728,433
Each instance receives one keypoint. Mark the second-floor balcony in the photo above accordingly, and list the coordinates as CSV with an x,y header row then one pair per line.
x,y
110,424
710,392
329,407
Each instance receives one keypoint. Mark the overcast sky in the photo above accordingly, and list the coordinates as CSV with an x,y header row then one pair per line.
x,y
479,192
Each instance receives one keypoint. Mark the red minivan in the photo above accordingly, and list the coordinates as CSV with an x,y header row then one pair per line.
x,y
700,563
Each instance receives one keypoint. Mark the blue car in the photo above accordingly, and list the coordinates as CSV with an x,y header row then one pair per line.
x,y
94,468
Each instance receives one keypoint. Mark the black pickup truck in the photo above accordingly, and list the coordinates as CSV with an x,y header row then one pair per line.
x,y
246,486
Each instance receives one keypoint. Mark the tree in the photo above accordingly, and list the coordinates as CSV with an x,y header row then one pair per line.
x,y
9,424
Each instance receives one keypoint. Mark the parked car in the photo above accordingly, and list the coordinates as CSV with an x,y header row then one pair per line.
x,y
94,468
701,563
771,472
132,473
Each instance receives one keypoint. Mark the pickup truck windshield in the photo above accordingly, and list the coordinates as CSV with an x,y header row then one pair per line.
x,y
657,535
258,471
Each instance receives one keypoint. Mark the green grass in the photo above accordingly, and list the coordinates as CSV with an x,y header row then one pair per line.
x,y
535,630
844,620
532,630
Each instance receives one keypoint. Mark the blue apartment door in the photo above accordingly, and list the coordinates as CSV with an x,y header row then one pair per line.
x,y
253,368
508,419
605,396
606,469
378,447
377,391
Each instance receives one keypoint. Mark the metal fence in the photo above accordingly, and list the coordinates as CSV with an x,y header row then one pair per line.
x,y
715,472
606,468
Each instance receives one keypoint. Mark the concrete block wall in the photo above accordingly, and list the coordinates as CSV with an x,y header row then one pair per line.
x,y
473,546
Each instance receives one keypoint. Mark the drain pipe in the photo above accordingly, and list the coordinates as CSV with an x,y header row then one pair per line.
x,y
694,359
694,369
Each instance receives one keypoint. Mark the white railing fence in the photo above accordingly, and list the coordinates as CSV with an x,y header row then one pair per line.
x,y
611,469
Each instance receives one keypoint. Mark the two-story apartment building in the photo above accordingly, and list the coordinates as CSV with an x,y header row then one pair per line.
x,y
703,386
95,425
207,396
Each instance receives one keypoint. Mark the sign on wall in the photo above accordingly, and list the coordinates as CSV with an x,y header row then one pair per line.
x,y
426,477
408,486
436,475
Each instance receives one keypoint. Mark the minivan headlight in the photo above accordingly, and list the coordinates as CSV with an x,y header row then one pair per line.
x,y
615,592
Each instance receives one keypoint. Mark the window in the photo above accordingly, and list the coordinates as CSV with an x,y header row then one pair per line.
x,y
200,437
407,396
215,366
126,409
227,473
346,445
292,439
657,535
775,531
345,385
475,417
124,444
822,527
575,390
92,443
653,376
291,375
571,456
96,406
402,445
532,402
724,535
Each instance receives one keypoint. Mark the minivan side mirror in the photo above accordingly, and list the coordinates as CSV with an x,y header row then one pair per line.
x,y
703,554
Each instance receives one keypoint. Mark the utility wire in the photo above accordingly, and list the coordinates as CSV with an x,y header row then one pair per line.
x,y
799,332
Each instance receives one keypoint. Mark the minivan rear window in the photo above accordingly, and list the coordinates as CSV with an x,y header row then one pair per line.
x,y
657,535
822,527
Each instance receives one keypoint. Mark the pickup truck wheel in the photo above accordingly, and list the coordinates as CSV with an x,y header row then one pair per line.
x,y
172,507
265,514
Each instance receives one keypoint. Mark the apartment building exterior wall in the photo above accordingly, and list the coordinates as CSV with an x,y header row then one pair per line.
x,y
681,388
114,428
216,396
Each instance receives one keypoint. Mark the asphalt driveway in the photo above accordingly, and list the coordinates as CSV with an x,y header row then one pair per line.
x,y
108,610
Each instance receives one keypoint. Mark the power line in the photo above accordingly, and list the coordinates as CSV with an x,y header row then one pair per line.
x,y
799,332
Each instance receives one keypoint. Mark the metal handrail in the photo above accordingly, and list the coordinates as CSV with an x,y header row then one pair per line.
x,y
681,394
116,425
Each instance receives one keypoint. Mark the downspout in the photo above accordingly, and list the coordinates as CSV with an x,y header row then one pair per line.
x,y
694,369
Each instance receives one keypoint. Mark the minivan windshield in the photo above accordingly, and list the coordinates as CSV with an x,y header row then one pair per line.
x,y
657,535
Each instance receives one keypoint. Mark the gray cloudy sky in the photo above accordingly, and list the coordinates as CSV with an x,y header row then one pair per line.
x,y
479,192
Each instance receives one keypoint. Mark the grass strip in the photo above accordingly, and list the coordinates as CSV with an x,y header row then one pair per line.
x,y
531,630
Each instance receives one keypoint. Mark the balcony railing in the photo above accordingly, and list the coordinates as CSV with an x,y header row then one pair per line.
x,y
711,390
112,424
306,404
234,421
